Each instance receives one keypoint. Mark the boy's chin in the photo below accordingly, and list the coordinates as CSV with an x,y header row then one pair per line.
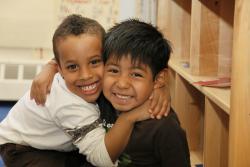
x,y
91,98
122,108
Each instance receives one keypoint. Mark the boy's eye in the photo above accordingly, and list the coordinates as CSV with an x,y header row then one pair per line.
x,y
72,67
136,75
95,61
112,70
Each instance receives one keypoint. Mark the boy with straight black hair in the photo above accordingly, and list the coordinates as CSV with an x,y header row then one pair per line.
x,y
136,56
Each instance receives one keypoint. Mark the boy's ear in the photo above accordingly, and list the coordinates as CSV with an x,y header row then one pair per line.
x,y
59,70
161,79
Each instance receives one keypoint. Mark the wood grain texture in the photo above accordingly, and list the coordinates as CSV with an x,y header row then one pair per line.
x,y
174,19
189,107
211,37
239,134
216,130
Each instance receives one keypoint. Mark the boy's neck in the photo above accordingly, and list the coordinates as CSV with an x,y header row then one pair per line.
x,y
144,106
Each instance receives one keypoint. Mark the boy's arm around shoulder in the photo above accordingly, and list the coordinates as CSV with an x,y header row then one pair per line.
x,y
86,134
103,149
42,82
77,119
118,136
98,147
171,143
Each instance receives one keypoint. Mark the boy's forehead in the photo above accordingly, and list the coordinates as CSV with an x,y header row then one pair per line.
x,y
119,59
87,45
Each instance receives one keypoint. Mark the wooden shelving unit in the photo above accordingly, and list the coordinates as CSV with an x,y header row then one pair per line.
x,y
210,39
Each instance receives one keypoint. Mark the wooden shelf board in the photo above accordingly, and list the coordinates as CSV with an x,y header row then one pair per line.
x,y
196,158
220,96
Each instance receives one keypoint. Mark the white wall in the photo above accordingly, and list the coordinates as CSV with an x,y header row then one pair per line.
x,y
127,9
31,23
26,29
26,23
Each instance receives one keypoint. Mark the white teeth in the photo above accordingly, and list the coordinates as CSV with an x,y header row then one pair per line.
x,y
89,87
123,96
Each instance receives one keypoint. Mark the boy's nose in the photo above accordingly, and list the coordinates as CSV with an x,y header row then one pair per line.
x,y
85,74
123,82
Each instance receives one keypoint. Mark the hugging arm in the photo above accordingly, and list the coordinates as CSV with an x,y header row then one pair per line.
x,y
160,102
101,149
41,84
160,98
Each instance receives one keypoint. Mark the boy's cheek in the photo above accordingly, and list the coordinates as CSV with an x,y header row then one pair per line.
x,y
102,69
106,86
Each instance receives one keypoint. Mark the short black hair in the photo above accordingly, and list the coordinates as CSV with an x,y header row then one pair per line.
x,y
142,41
76,25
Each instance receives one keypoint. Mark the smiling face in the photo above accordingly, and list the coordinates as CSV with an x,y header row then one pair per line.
x,y
127,85
81,65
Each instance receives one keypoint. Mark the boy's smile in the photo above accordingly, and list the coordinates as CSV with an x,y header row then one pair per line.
x,y
87,89
126,85
81,65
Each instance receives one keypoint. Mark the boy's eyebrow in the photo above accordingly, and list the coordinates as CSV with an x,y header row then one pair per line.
x,y
134,66
140,67
69,61
111,63
95,56
92,57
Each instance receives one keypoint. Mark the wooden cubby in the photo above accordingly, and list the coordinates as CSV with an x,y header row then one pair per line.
x,y
210,39
204,114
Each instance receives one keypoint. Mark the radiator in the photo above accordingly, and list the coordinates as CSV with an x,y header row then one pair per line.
x,y
16,77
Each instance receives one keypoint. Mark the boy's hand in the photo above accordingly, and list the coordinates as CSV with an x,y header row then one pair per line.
x,y
137,114
41,84
160,102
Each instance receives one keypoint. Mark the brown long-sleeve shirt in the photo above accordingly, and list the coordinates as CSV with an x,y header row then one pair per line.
x,y
159,143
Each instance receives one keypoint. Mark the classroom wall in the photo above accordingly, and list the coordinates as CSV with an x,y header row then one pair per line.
x,y
27,27
27,23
